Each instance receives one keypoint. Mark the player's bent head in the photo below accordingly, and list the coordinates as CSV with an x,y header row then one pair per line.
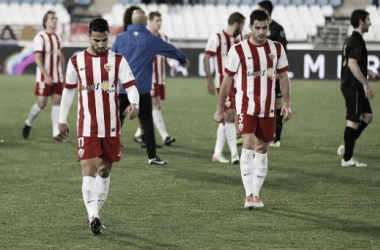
x,y
357,16
258,15
98,25
266,5
236,17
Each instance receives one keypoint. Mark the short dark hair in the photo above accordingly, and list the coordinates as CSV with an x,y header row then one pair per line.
x,y
267,5
127,19
258,15
98,25
235,17
153,14
44,19
358,15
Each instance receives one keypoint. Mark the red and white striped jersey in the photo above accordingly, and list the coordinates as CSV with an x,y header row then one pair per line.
x,y
97,79
49,45
255,69
218,46
158,75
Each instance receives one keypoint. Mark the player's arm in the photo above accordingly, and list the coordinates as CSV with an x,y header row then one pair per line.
x,y
355,70
67,98
223,93
285,91
166,49
209,77
63,63
373,75
40,65
128,82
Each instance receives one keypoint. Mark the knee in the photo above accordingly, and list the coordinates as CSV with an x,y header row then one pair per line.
x,y
368,119
41,104
104,171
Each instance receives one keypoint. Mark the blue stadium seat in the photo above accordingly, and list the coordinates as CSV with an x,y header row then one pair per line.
x,y
336,3
236,2
221,1
323,2
247,2
209,1
284,2
124,1
310,2
297,2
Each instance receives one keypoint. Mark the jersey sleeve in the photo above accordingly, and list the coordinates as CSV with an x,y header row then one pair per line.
x,y
71,75
38,44
126,76
212,45
282,63
356,52
232,62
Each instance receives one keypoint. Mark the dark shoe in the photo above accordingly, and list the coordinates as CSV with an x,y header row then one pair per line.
x,y
169,140
61,138
96,226
26,131
157,161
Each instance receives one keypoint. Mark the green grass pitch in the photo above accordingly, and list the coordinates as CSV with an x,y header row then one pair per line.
x,y
310,201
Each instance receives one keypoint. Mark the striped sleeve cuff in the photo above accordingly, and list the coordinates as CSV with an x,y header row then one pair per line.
x,y
283,69
70,86
128,84
211,53
230,73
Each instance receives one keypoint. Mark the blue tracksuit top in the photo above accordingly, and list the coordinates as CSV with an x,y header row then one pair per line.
x,y
139,47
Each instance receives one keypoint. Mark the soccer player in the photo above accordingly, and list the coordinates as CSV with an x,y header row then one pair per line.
x,y
218,46
275,33
255,63
49,78
133,45
355,88
158,81
96,72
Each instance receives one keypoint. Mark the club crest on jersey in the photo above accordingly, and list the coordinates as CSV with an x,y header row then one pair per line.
x,y
272,56
81,152
107,67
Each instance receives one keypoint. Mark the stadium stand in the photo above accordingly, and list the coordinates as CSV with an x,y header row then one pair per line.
x,y
307,21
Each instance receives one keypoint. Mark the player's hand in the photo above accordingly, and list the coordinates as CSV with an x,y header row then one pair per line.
x,y
186,64
48,80
211,88
286,113
64,128
368,92
131,111
219,116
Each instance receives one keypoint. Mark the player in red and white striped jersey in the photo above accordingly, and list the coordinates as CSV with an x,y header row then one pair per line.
x,y
96,72
49,78
158,81
255,64
218,46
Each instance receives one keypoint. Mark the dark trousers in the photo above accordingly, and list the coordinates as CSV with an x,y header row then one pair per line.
x,y
146,119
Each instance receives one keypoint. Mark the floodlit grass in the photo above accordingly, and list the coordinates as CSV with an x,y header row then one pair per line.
x,y
192,203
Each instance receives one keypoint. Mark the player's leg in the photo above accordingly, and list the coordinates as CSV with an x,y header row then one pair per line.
x,y
264,134
123,104
56,102
219,144
35,110
230,130
354,106
159,94
279,117
88,151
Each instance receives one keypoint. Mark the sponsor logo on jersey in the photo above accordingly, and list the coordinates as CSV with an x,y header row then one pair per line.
x,y
104,86
270,72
